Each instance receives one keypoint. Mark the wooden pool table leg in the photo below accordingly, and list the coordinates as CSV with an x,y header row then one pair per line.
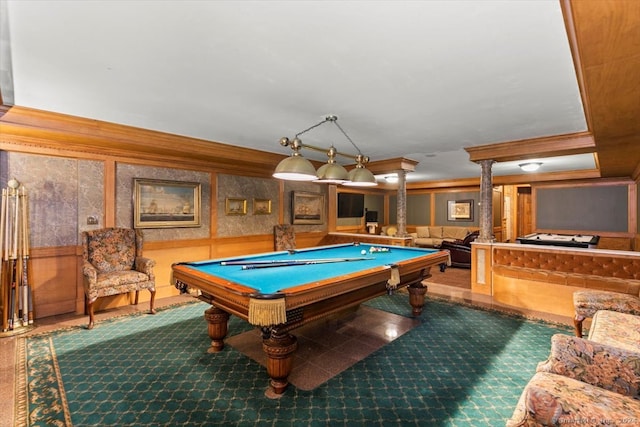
x,y
416,297
279,347
217,327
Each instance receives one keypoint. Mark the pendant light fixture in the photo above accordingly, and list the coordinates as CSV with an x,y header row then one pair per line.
x,y
297,168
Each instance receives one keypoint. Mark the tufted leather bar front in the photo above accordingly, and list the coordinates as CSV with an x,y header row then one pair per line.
x,y
608,270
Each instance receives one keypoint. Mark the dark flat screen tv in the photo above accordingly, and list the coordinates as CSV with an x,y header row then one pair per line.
x,y
350,205
371,216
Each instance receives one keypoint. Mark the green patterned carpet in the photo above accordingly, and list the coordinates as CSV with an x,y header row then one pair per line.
x,y
460,367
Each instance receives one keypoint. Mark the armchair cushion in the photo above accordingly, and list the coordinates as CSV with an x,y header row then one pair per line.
x,y
422,232
555,400
602,365
435,232
617,329
111,249
454,233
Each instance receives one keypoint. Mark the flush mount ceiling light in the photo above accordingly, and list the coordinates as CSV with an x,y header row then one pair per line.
x,y
530,166
297,168
391,179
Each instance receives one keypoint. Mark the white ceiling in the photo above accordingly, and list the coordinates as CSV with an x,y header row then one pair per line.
x,y
416,79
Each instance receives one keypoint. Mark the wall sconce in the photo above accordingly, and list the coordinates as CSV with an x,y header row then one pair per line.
x,y
530,166
297,168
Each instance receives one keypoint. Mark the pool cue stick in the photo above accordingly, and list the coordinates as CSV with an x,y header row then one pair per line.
x,y
282,261
25,293
28,315
23,256
7,232
18,261
301,262
3,215
16,221
3,277
12,298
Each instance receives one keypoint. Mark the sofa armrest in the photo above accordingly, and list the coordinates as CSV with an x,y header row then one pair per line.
x,y
145,265
90,273
413,235
451,245
601,365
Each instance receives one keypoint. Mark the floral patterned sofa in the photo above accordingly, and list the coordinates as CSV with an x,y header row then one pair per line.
x,y
594,381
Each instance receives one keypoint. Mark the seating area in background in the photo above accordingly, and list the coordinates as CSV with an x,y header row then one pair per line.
x,y
113,264
460,250
432,236
593,381
284,237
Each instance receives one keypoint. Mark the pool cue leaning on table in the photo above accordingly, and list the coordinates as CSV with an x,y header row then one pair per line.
x,y
277,263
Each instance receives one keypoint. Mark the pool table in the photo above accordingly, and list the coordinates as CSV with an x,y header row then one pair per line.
x,y
566,240
280,291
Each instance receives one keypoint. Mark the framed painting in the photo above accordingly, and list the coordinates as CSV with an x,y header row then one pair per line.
x,y
165,204
235,206
261,206
460,210
307,208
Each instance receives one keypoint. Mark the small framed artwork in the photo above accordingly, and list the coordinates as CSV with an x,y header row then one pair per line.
x,y
307,208
460,210
235,206
165,204
261,206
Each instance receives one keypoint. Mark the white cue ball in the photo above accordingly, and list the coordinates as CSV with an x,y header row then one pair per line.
x,y
363,252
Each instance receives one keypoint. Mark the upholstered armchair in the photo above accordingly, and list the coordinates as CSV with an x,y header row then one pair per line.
x,y
555,400
587,302
113,264
602,365
460,250
284,237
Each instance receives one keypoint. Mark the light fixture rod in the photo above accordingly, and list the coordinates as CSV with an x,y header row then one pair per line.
x,y
324,150
335,122
330,118
326,119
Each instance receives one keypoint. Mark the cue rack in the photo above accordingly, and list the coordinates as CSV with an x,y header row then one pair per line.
x,y
17,298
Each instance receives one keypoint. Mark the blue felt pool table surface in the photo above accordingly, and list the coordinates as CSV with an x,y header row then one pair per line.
x,y
279,279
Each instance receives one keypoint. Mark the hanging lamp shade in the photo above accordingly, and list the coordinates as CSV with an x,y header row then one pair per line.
x,y
295,167
361,176
332,172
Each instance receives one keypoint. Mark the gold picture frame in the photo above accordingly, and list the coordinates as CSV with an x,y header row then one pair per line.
x,y
460,210
307,208
261,206
165,204
235,206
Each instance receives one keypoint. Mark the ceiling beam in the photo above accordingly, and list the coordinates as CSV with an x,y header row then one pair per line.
x,y
392,165
559,145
